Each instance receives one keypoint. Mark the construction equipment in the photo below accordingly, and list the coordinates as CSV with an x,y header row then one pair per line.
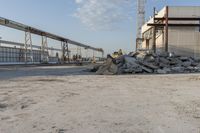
x,y
117,54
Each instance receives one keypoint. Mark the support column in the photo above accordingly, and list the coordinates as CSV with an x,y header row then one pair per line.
x,y
94,59
147,44
163,40
154,31
79,53
166,28
86,53
63,45
67,46
44,50
28,50
102,55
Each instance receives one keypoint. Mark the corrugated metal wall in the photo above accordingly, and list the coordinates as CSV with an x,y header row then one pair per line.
x,y
8,55
185,40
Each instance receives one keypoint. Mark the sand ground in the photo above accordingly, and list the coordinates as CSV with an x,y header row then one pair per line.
x,y
63,99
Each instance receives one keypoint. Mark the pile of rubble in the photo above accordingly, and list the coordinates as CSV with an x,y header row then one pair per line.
x,y
144,62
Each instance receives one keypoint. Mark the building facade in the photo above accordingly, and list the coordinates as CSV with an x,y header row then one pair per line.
x,y
174,29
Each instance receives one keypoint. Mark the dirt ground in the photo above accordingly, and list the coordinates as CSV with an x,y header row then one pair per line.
x,y
63,99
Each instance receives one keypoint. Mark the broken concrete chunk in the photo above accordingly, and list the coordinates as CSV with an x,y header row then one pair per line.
x,y
187,63
194,64
148,70
108,68
149,58
161,71
129,60
95,68
133,54
113,68
149,65
168,70
138,70
106,72
146,62
174,61
163,54
119,60
102,69
184,58
128,70
141,56
163,65
198,65
164,60
178,69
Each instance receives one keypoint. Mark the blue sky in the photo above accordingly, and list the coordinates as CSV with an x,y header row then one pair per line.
x,y
58,16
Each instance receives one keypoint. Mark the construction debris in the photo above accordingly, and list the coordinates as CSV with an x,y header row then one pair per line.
x,y
145,62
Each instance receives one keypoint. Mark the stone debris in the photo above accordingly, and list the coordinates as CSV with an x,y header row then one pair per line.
x,y
145,62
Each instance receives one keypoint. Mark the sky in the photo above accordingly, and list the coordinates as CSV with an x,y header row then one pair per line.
x,y
107,24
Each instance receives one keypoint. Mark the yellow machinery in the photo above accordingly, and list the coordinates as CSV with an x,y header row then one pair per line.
x,y
117,54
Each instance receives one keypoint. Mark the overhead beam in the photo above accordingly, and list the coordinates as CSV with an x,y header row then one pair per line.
x,y
174,25
178,19
22,45
22,27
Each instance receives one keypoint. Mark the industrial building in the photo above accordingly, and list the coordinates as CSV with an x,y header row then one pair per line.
x,y
173,29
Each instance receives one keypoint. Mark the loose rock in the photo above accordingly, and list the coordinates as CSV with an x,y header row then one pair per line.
x,y
145,62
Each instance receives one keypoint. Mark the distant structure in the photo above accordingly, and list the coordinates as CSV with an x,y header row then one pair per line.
x,y
26,52
174,29
140,21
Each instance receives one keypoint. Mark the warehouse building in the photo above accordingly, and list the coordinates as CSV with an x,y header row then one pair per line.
x,y
173,29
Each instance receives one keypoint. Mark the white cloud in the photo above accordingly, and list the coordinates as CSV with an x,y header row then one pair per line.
x,y
103,14
78,1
